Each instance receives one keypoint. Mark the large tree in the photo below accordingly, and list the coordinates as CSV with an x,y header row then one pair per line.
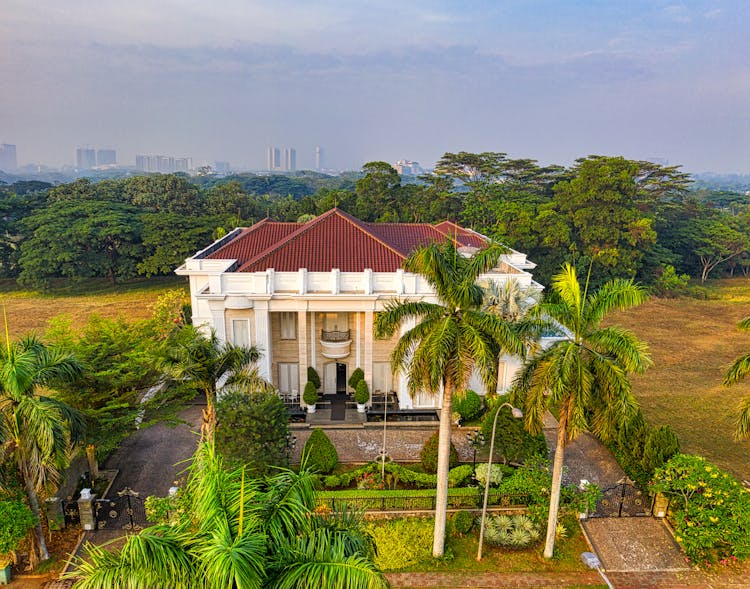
x,y
232,531
584,374
450,339
35,428
738,371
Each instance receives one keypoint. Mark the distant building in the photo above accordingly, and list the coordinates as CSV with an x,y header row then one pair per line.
x,y
222,168
8,161
85,158
318,158
408,168
162,164
106,157
281,160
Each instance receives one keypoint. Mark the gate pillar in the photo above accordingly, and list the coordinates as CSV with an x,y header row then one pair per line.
x,y
86,509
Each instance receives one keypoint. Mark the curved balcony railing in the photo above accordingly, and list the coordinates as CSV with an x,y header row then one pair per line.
x,y
335,336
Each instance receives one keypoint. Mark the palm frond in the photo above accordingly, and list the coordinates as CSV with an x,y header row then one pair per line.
x,y
742,425
739,369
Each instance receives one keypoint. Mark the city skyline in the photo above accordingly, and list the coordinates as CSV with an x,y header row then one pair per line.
x,y
548,80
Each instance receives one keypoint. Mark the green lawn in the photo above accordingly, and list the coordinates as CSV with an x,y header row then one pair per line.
x,y
692,344
30,310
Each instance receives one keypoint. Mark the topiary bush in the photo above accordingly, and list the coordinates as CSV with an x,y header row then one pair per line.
x,y
661,445
517,531
468,405
313,377
320,453
429,454
310,394
362,392
355,377
462,522
400,543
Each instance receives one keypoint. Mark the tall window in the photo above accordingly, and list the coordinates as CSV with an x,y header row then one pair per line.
x,y
288,325
335,321
288,377
382,377
241,332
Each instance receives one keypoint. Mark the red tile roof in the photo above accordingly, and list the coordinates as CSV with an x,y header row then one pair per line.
x,y
335,239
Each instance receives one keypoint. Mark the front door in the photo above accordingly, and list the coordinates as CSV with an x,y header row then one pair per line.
x,y
331,373
340,378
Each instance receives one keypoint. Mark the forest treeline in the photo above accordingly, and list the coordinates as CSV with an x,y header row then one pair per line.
x,y
630,219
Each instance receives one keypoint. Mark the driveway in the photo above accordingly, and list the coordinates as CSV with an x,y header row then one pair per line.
x,y
152,459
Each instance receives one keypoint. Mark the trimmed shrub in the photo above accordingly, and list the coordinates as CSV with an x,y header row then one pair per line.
x,y
429,454
517,531
355,377
496,474
456,476
313,377
400,543
468,405
362,392
15,522
320,453
310,394
462,522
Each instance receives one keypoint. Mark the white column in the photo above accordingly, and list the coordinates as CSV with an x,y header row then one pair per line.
x,y
313,339
335,281
358,340
302,347
367,368
263,339
218,322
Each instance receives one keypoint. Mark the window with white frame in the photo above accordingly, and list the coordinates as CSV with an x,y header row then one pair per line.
x,y
241,332
288,377
288,325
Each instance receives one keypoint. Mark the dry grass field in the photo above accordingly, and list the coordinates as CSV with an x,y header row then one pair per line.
x,y
30,311
692,344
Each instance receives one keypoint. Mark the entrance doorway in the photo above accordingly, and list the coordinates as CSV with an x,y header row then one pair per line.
x,y
335,378
340,378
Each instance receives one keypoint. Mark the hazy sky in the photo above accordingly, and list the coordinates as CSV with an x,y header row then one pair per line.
x,y
221,79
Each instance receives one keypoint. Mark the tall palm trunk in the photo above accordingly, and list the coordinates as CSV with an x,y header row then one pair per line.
x,y
557,466
34,506
444,456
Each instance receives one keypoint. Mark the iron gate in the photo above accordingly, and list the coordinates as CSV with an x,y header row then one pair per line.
x,y
623,500
124,512
71,513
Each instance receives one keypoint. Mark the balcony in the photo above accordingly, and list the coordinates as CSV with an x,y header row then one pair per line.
x,y
335,344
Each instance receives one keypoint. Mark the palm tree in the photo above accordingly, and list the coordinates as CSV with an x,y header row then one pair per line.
x,y
509,300
739,370
37,429
584,373
211,364
235,532
453,336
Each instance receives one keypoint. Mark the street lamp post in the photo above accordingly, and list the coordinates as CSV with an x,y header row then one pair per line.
x,y
517,414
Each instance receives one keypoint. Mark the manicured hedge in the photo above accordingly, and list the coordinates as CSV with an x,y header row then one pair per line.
x,y
400,474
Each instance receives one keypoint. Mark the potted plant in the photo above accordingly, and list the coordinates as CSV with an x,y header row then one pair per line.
x,y
310,396
361,395
355,377
15,522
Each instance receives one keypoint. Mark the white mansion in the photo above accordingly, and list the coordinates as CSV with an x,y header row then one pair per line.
x,y
306,295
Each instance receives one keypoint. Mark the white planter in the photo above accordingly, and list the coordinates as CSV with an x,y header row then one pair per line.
x,y
361,407
311,408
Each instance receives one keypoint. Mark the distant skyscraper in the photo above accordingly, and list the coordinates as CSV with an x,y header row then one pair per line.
x,y
290,159
222,167
318,158
408,168
281,160
106,157
85,158
8,161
